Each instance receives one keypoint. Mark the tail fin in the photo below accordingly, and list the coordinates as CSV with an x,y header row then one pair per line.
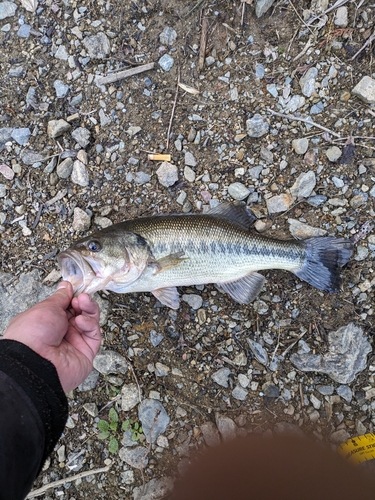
x,y
324,258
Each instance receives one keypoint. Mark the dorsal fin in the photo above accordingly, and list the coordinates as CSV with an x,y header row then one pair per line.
x,y
237,214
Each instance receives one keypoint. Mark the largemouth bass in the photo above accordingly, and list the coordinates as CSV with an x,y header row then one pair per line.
x,y
158,254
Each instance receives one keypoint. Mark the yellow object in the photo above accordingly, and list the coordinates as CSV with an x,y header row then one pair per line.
x,y
359,449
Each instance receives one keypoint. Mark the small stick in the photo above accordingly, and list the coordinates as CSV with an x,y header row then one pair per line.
x,y
60,482
120,75
202,48
173,108
304,120
60,195
338,4
368,41
159,157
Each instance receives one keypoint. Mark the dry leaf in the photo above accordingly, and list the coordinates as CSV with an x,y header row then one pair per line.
x,y
187,88
30,5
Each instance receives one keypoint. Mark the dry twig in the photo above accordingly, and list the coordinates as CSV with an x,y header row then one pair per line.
x,y
173,108
120,75
368,41
203,44
304,120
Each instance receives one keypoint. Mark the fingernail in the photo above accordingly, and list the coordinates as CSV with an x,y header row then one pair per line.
x,y
62,285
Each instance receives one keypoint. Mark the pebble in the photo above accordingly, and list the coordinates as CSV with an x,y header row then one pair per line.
x,y
339,183
166,62
296,102
365,90
21,135
189,174
91,409
103,221
110,362
345,392
304,185
348,348
266,155
210,434
300,146
7,9
226,427
61,53
17,71
156,338
333,153
64,169
301,231
257,126
221,377
307,82
195,301
167,174
97,46
270,390
325,390
340,436
238,191
161,370
130,396
55,128
168,36
153,417
90,382
190,160
82,136
279,203
316,200
80,174
317,108
259,352
239,393
104,119
260,307
24,31
6,172
141,178
81,220
135,457
262,6
259,71
5,135
341,17
61,88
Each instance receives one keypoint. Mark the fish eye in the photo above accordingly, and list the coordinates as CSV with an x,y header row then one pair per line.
x,y
94,246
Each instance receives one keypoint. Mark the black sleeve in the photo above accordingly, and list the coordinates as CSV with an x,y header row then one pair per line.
x,y
33,413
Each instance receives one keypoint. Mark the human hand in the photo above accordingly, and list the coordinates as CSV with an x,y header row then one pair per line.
x,y
62,329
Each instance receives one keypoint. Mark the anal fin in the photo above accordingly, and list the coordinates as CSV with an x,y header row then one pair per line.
x,y
168,296
246,289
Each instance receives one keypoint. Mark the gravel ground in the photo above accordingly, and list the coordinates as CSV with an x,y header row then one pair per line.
x,y
74,157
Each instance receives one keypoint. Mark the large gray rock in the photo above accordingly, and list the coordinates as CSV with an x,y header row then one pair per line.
x,y
97,46
365,90
154,419
347,353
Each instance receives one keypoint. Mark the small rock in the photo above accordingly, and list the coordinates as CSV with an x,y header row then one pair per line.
x,y
259,71
195,301
156,338
80,174
110,362
82,136
317,108
21,135
210,434
239,393
238,191
341,17
210,61
135,457
55,128
6,172
153,417
259,352
97,46
359,200
365,90
325,390
91,409
260,307
141,178
64,169
226,427
190,161
300,145
221,377
301,231
347,352
61,88
81,220
103,221
130,396
189,174
61,53
104,119
3,191
279,203
168,36
340,436
161,370
334,153
90,382
167,174
266,155
307,82
257,126
345,392
304,185
17,71
24,31
7,9
133,130
262,6
296,102
166,62
270,390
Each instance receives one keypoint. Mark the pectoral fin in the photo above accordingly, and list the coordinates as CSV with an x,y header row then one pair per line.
x,y
246,289
168,296
172,260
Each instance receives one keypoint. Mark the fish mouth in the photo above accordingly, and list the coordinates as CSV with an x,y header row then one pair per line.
x,y
76,270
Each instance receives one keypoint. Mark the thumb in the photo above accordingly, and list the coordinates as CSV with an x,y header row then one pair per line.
x,y
63,295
